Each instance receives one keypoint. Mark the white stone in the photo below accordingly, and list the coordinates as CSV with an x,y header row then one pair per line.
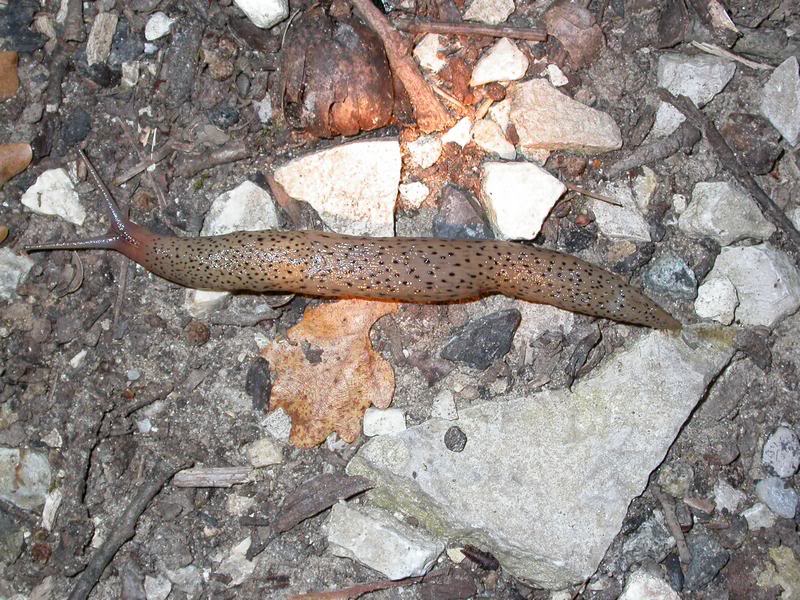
x,y
624,222
264,452
546,119
492,12
699,77
724,212
188,579
518,197
24,477
264,13
425,151
679,203
381,542
130,73
381,421
157,588
157,26
717,299
488,136
794,217
500,113
759,516
460,133
54,194
77,360
278,424
780,498
455,555
98,46
766,280
780,101
201,303
641,585
236,566
444,406
782,452
728,497
502,62
428,52
52,502
644,188
264,109
353,186
574,458
13,270
414,193
556,76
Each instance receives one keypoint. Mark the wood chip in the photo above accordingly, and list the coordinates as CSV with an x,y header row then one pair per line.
x,y
317,495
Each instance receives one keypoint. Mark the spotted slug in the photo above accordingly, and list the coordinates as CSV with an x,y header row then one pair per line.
x,y
330,265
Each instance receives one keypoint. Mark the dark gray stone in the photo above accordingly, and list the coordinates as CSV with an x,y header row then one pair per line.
x,y
455,440
754,141
708,558
482,341
76,127
15,32
671,276
460,217
126,46
224,116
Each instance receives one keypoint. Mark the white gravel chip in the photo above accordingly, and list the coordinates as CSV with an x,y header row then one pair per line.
x,y
502,62
157,26
53,193
780,102
380,421
264,13
782,452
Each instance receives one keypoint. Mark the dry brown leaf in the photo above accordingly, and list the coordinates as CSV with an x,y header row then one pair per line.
x,y
3,233
9,80
14,159
327,374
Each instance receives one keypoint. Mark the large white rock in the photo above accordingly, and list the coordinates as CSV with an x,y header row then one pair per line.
x,y
381,542
13,269
428,52
717,299
699,77
624,222
493,12
24,477
518,197
780,102
353,187
54,194
502,62
574,458
767,282
488,136
546,119
642,585
724,212
264,13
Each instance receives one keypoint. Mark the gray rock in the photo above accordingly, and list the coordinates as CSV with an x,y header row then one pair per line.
x,y
574,459
780,100
780,499
650,541
759,516
763,42
482,341
11,539
676,478
727,497
782,452
642,585
753,140
717,299
24,477
671,276
622,222
708,558
13,270
493,12
460,216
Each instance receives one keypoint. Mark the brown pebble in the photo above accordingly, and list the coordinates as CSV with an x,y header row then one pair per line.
x,y
197,333
495,91
582,220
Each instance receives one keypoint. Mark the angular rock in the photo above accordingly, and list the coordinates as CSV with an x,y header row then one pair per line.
x,y
724,212
500,113
759,517
236,566
671,276
459,216
642,585
546,119
414,193
780,101
766,280
428,52
157,26
264,13
717,299
574,459
488,136
460,133
492,12
782,452
381,542
503,62
708,558
621,222
13,270
24,477
794,217
381,421
753,140
518,197
780,499
556,76
12,539
699,77
264,452
353,187
650,541
727,497
54,194
444,406
425,151
482,341
98,46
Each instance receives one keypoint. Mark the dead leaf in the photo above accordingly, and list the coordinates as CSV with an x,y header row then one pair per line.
x,y
9,80
327,374
14,159
3,233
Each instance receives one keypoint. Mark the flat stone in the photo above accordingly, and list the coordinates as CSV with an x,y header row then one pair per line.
x,y
460,133
642,585
546,119
502,62
624,222
699,77
782,452
759,516
671,276
53,193
727,497
556,76
414,193
780,101
484,340
766,280
157,26
794,217
264,13
157,588
780,499
500,113
518,197
574,458
98,46
428,52
488,136
425,151
235,565
24,477
459,216
381,421
353,187
753,140
708,558
264,452
444,406
492,12
13,270
717,300
650,541
381,542
724,212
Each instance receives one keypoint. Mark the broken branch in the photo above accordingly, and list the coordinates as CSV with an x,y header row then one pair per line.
x,y
518,33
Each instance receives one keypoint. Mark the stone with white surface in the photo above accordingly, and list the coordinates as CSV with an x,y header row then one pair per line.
x,y
642,585
157,26
236,566
700,77
353,186
518,197
378,540
500,113
778,496
157,588
264,452
444,406
727,497
780,101
460,133
278,424
759,516
380,421
264,109
546,119
717,300
781,452
624,222
556,76
414,193
428,52
767,282
724,212
794,217
575,459
492,12
425,151
98,46
24,477
264,13
53,193
488,136
502,62
13,270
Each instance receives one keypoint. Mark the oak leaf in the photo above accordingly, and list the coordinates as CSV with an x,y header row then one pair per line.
x,y
326,372
14,159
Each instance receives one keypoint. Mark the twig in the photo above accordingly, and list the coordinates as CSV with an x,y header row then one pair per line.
x,y
429,112
162,199
124,530
721,52
683,138
518,33
597,196
357,591
143,165
668,506
729,161
231,153
449,97
212,477
286,29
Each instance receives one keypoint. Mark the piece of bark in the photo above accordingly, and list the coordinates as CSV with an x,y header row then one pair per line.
x,y
683,138
480,29
212,477
317,495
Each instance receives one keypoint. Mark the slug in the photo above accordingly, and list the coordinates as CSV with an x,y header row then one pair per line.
x,y
422,270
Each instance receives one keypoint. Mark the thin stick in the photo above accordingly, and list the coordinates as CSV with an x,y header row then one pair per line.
x,y
357,591
518,33
683,138
449,97
668,506
597,196
156,157
721,52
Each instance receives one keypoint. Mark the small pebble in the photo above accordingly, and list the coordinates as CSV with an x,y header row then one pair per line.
x,y
455,440
133,374
197,333
384,421
157,26
759,516
223,116
484,340
780,499
708,558
782,452
671,276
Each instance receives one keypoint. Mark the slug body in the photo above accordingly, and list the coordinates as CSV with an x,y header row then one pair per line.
x,y
404,269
